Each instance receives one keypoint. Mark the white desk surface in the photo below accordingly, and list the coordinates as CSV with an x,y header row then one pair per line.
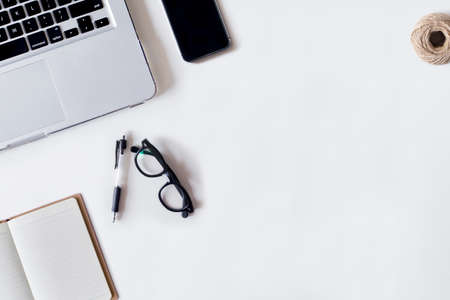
x,y
317,151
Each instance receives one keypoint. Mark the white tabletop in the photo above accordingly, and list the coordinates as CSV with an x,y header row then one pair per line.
x,y
316,149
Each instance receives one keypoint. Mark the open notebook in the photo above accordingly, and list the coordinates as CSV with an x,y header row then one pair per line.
x,y
51,253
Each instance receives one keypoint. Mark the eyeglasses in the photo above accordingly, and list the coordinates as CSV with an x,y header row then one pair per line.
x,y
173,195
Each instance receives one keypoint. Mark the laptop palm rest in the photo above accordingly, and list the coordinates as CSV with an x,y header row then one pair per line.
x,y
27,109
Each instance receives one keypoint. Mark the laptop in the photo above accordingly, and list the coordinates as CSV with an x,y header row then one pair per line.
x,y
65,62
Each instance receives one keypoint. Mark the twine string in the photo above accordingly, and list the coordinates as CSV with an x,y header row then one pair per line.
x,y
431,38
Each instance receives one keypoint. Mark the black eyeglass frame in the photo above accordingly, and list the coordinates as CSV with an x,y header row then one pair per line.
x,y
148,149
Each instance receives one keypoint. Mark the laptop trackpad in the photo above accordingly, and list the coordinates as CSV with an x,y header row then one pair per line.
x,y
29,101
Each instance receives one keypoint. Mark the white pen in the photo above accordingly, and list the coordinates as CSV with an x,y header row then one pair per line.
x,y
120,170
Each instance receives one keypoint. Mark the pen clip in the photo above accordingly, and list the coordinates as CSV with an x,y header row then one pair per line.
x,y
116,164
121,146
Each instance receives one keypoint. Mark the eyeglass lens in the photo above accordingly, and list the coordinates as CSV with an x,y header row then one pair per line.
x,y
172,197
149,164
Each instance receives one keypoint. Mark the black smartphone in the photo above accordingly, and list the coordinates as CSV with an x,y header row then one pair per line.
x,y
198,27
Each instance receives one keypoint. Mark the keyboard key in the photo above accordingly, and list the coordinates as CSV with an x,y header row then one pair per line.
x,y
37,40
85,24
13,48
17,13
63,2
61,15
15,30
102,23
3,35
4,18
46,20
84,7
54,34
48,4
30,25
71,33
9,3
23,1
33,8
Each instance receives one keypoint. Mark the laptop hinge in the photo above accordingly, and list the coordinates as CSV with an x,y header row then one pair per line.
x,y
26,140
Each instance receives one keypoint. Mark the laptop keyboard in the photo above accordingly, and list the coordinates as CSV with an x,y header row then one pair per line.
x,y
29,25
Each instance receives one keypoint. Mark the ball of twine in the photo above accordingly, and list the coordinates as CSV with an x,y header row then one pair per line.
x,y
431,38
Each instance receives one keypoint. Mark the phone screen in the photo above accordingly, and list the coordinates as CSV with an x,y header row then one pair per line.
x,y
197,26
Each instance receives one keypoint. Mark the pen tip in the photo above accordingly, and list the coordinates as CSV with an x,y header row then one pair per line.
x,y
114,218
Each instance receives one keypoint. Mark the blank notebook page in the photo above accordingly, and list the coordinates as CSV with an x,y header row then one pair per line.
x,y
57,254
13,283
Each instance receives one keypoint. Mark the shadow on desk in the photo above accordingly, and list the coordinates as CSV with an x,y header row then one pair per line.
x,y
156,54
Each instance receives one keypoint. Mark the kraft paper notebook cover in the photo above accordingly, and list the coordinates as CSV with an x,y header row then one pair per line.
x,y
52,253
